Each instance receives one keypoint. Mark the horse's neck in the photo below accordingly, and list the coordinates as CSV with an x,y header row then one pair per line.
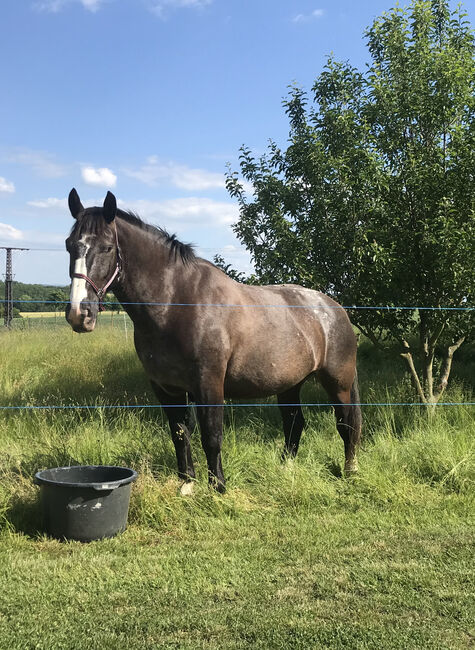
x,y
147,273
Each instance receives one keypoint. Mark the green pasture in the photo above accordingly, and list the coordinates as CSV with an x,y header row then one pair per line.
x,y
47,320
292,556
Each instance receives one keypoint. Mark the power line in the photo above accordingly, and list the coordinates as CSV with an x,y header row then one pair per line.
x,y
199,248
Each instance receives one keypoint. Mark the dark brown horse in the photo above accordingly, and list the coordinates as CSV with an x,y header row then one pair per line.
x,y
198,332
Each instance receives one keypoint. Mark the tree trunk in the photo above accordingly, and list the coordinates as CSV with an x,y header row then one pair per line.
x,y
407,355
446,367
425,389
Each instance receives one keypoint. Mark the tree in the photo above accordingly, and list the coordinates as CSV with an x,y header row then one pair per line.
x,y
24,303
111,303
220,262
58,299
373,200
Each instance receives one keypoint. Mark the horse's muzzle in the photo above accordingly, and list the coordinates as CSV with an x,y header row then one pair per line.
x,y
81,317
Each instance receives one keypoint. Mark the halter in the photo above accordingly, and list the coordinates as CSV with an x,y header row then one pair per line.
x,y
118,267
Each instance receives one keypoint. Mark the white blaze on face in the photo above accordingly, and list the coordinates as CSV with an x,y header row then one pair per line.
x,y
78,285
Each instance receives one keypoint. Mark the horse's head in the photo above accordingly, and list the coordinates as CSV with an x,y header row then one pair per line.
x,y
94,260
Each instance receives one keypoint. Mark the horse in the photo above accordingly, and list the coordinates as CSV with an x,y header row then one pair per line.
x,y
202,336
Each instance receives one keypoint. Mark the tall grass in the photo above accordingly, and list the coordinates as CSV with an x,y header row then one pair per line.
x,y
293,555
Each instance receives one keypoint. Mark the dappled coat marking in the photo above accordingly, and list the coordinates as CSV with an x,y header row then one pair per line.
x,y
192,347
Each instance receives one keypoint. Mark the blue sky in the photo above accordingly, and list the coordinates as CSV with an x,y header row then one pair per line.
x,y
150,99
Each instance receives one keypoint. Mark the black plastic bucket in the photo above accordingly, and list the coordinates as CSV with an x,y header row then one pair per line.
x,y
85,502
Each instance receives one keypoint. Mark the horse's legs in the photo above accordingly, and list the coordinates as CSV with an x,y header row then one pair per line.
x,y
348,418
210,419
179,419
292,419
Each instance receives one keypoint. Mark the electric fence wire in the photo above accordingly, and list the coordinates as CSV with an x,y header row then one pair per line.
x,y
238,306
169,304
52,407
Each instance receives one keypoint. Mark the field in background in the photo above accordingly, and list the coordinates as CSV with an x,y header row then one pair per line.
x,y
108,316
47,320
293,556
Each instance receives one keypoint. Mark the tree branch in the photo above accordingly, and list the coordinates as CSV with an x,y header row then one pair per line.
x,y
446,367
436,335
371,336
410,362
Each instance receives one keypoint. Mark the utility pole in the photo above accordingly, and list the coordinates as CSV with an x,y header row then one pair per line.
x,y
9,284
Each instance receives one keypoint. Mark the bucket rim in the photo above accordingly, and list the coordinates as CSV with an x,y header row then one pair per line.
x,y
95,485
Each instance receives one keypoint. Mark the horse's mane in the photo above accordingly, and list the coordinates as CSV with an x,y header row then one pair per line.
x,y
91,222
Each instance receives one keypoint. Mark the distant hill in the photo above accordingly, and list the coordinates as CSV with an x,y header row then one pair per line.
x,y
36,292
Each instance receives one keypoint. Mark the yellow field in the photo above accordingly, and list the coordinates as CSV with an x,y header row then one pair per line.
x,y
38,314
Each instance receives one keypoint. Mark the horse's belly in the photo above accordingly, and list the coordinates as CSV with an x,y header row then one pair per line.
x,y
246,387
265,375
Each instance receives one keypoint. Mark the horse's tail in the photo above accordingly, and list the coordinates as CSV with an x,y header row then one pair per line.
x,y
355,419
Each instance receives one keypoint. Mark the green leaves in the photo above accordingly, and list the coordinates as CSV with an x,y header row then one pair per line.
x,y
373,199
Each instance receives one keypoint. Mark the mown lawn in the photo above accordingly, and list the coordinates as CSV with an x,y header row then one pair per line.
x,y
293,556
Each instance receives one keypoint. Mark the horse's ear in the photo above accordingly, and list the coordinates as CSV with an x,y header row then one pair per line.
x,y
74,203
109,208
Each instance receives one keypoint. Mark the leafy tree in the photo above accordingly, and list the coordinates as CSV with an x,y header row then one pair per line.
x,y
111,303
25,302
37,293
373,200
15,312
220,262
58,299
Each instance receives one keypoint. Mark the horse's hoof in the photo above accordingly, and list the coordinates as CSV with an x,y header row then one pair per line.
x,y
187,489
217,485
288,462
351,469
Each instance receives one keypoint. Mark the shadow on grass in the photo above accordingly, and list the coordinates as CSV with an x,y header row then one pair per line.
x,y
333,467
116,381
24,514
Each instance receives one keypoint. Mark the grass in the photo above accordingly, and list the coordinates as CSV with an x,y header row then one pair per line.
x,y
54,320
293,556
59,314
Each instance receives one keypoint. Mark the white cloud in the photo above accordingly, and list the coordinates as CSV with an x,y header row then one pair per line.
x,y
305,18
62,204
41,162
186,178
54,6
49,203
9,233
159,7
100,177
51,6
190,211
91,5
6,186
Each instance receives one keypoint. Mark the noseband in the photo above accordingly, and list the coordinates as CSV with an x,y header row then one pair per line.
x,y
102,292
